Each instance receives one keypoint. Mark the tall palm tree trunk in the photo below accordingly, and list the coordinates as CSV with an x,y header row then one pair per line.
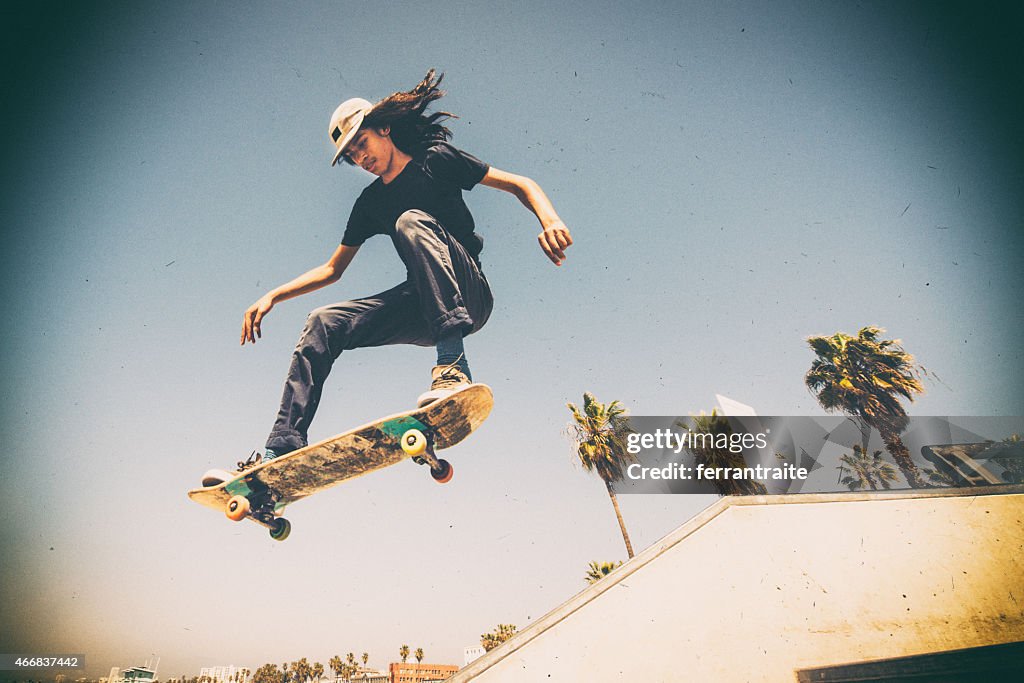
x,y
618,516
901,455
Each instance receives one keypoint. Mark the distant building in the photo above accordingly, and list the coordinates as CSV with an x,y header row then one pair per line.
x,y
471,654
222,674
978,464
138,674
371,676
420,673
135,674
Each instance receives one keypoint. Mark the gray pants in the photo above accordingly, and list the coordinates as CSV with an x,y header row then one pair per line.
x,y
445,291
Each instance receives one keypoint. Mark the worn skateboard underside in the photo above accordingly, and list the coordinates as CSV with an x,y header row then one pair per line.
x,y
356,452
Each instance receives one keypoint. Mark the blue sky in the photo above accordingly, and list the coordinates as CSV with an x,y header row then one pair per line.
x,y
737,176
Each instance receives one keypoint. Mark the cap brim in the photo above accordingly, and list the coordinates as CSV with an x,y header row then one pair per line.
x,y
357,122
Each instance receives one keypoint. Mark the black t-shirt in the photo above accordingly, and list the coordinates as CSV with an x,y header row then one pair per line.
x,y
433,183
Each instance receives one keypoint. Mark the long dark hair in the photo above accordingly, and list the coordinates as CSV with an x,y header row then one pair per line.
x,y
412,129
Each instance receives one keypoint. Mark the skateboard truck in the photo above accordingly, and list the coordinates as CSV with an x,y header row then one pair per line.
x,y
420,446
260,505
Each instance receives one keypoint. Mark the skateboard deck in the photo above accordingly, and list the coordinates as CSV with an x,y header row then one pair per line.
x,y
261,492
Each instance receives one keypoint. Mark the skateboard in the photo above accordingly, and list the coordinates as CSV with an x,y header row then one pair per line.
x,y
261,492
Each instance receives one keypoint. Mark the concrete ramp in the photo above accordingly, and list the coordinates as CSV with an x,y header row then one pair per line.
x,y
764,588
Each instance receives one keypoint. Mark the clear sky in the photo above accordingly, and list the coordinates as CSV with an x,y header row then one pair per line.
x,y
737,176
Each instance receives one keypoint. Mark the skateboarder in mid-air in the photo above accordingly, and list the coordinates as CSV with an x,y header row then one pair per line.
x,y
417,201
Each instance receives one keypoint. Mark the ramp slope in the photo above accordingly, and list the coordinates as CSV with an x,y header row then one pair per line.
x,y
759,588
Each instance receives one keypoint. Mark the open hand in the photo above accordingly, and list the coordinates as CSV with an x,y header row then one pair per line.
x,y
252,318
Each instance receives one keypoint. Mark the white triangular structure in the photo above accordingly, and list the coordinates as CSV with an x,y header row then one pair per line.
x,y
734,408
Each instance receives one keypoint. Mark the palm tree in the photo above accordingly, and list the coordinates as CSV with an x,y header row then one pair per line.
x,y
865,470
302,671
708,434
337,665
596,571
366,659
318,671
867,377
491,640
403,652
599,434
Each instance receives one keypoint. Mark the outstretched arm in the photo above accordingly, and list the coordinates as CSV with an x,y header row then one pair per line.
x,y
554,239
310,281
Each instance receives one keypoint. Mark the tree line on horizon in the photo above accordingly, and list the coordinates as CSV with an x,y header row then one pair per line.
x,y
302,671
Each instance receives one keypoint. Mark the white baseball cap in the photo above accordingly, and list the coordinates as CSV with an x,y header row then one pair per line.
x,y
345,123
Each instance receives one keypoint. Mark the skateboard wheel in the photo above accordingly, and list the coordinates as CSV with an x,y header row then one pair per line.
x,y
237,508
443,474
280,528
414,442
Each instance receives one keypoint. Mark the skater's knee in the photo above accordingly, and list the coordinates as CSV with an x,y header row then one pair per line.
x,y
318,318
323,325
412,223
